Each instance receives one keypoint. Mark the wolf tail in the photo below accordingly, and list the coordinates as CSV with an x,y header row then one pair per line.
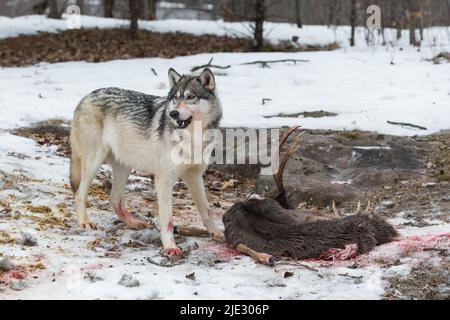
x,y
75,171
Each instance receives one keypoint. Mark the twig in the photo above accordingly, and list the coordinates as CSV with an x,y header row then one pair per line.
x,y
265,63
209,65
154,71
406,124
264,100
296,263
350,276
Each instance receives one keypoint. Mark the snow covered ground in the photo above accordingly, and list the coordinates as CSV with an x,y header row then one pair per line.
x,y
360,85
85,264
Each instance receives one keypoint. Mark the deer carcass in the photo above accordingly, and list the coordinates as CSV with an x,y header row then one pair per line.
x,y
263,228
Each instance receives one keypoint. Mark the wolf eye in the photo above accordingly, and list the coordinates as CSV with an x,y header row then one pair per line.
x,y
190,97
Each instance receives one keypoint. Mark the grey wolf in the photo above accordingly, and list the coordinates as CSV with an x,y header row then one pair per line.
x,y
132,130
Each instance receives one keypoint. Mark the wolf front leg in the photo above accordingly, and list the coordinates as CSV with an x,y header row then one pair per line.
x,y
164,190
194,181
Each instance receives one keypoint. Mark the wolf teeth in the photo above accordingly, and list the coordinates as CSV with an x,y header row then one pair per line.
x,y
183,123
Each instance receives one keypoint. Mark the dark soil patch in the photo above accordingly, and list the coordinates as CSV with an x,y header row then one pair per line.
x,y
395,173
441,157
51,132
425,282
304,114
96,45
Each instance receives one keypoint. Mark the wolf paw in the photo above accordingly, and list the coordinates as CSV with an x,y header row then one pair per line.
x,y
172,251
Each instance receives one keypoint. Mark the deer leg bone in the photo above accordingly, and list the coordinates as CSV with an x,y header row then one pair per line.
x,y
190,231
259,257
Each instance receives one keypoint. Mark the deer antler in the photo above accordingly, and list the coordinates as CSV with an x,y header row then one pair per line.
x,y
278,177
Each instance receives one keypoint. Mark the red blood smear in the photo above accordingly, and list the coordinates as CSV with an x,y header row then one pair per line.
x,y
222,252
123,213
170,226
418,243
333,254
389,251
18,274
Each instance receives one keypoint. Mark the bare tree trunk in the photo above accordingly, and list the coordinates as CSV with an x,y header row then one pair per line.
x,y
109,5
332,13
413,12
412,30
260,16
448,10
352,21
399,30
54,12
298,13
80,3
421,29
151,9
134,16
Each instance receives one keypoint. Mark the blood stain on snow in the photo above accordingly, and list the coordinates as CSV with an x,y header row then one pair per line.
x,y
222,252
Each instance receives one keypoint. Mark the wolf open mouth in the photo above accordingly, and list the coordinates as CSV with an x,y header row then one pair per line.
x,y
184,123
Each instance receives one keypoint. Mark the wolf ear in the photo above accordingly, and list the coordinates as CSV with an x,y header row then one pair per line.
x,y
174,77
207,79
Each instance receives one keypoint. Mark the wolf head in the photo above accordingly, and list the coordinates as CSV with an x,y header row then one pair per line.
x,y
193,98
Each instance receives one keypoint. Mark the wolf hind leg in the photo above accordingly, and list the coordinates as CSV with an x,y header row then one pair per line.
x,y
89,168
120,177
75,171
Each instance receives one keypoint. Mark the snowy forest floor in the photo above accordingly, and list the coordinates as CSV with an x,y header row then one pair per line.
x,y
51,257
346,97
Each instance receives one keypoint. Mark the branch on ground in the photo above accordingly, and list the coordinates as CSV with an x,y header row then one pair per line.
x,y
439,57
209,65
265,63
406,124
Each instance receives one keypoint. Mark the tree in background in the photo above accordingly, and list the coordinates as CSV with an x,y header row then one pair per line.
x,y
260,16
151,10
134,16
80,3
413,16
109,5
251,10
298,13
352,21
54,12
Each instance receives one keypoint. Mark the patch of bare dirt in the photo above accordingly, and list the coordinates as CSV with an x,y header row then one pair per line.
x,y
96,45
50,132
399,177
424,282
396,174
